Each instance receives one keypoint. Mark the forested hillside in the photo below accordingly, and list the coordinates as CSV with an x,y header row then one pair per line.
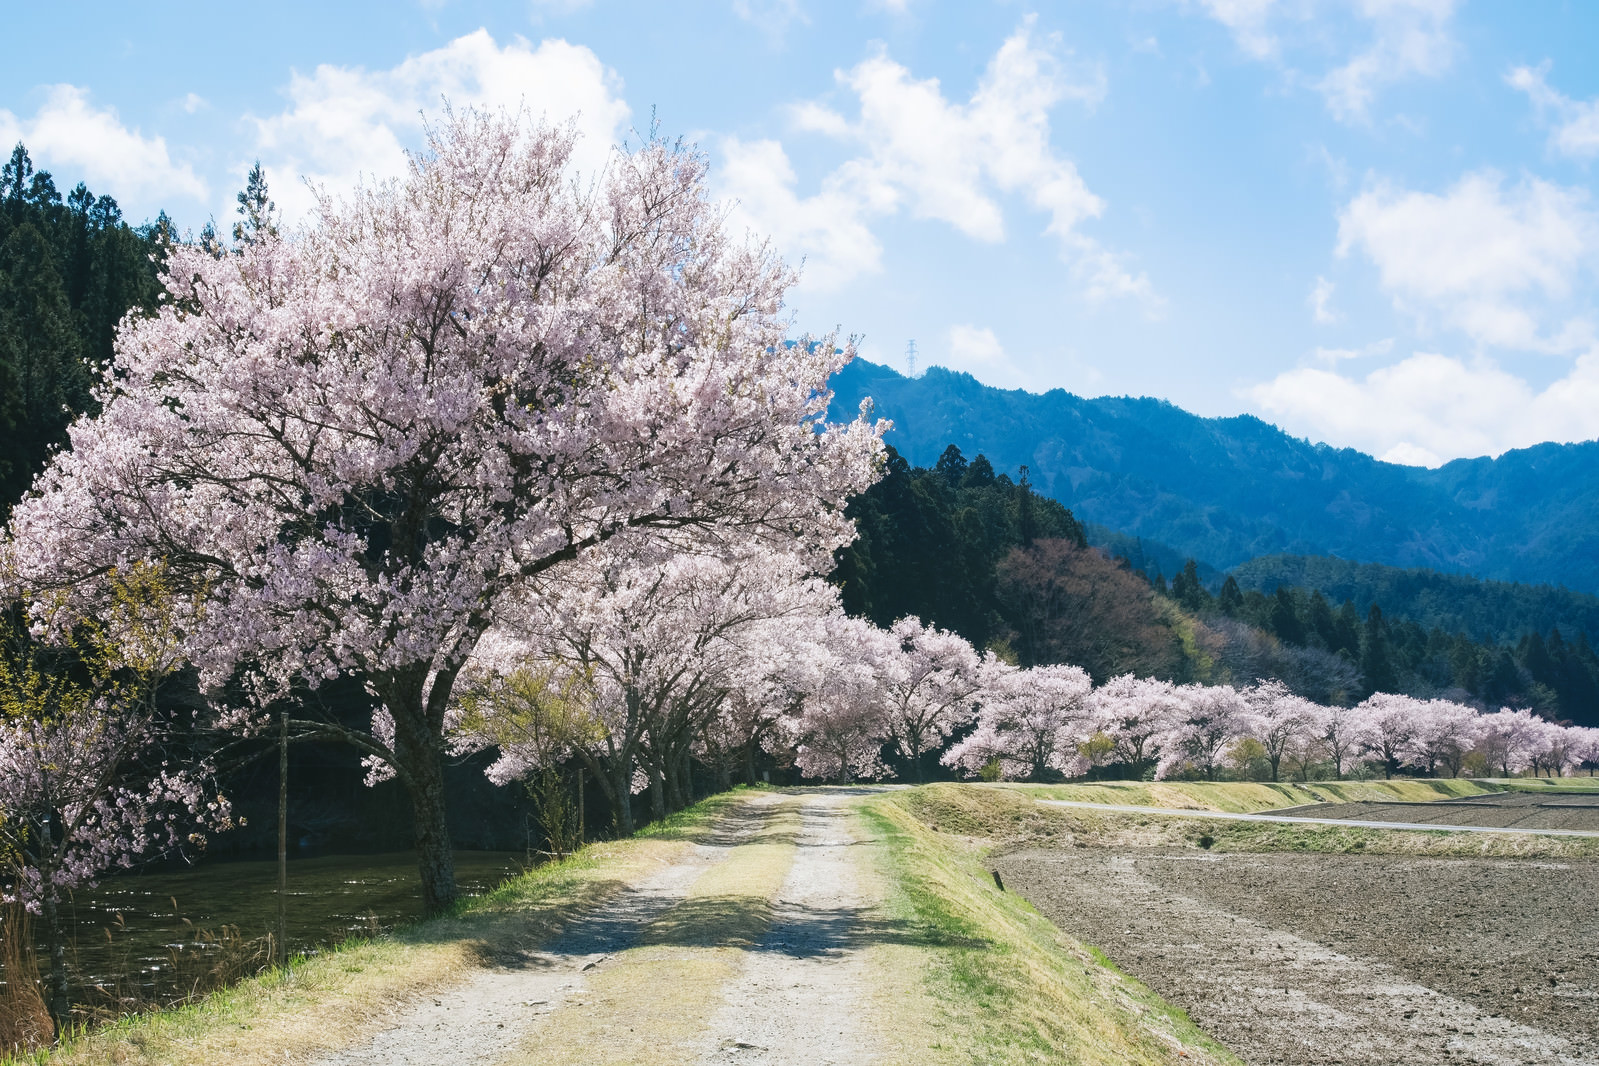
x,y
1483,610
1226,490
70,267
977,552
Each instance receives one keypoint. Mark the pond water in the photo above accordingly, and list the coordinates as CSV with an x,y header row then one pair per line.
x,y
132,930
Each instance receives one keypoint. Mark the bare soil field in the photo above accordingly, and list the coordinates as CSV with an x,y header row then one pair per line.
x,y
1317,958
1546,809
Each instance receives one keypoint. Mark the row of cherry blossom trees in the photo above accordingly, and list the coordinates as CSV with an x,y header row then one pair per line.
x,y
362,446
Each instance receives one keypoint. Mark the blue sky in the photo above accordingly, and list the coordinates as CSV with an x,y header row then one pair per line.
x,y
1370,222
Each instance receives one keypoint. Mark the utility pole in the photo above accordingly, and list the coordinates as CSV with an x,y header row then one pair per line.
x,y
910,359
283,836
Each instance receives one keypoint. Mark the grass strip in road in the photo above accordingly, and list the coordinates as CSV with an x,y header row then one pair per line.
x,y
1013,989
1251,797
648,1006
332,1000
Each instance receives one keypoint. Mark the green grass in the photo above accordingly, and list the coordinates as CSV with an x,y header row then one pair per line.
x,y
1014,989
1548,784
1248,797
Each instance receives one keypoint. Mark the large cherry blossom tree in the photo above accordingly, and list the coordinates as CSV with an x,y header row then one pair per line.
x,y
359,437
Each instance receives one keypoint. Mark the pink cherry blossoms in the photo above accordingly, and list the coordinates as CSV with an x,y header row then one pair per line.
x,y
359,438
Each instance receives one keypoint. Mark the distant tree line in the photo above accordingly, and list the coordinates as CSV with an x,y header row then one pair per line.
x,y
980,553
70,268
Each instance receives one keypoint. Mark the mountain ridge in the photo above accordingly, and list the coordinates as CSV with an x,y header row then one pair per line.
x,y
1226,490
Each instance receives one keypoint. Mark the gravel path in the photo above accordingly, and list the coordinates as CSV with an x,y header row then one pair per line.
x,y
798,999
492,1010
800,996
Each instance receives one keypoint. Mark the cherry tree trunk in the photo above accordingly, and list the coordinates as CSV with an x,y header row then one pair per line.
x,y
657,792
60,998
619,791
422,764
749,762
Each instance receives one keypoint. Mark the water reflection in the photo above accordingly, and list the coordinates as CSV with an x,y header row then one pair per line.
x,y
137,922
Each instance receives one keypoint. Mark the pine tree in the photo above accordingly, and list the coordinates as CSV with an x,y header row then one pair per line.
x,y
1376,660
44,374
256,208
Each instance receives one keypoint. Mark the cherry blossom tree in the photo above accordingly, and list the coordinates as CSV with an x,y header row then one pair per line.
x,y
1032,721
1585,747
842,723
1445,732
1277,718
1390,726
1342,731
87,735
359,437
928,687
1136,713
1551,749
1213,716
1508,738
650,649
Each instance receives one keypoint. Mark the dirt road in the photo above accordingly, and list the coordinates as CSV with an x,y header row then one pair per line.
x,y
756,948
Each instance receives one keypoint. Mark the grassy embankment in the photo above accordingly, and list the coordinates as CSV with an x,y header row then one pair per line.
x,y
1012,987
1250,797
1007,819
330,1000
1548,784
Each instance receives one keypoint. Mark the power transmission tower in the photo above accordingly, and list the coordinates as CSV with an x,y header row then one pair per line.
x,y
910,359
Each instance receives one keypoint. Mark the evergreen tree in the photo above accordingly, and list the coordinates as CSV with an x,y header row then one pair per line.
x,y
1026,521
1376,663
1284,619
257,211
1231,600
44,377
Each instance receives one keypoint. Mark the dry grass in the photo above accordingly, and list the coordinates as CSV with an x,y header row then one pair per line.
x,y
1248,797
1010,987
24,1019
1008,819
648,1006
334,999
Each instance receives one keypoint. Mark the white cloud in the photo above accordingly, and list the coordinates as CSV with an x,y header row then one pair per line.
x,y
1248,20
1399,39
773,17
345,123
1429,408
1576,127
77,140
1321,302
826,231
1334,356
978,352
1410,37
950,162
1483,258
193,102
